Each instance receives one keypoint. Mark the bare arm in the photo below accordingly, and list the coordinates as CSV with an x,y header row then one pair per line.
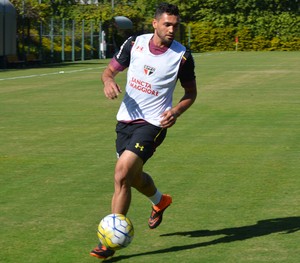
x,y
111,88
169,117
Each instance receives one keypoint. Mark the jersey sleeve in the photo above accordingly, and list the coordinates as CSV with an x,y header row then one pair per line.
x,y
187,69
123,55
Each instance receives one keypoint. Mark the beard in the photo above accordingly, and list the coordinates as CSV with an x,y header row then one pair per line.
x,y
165,39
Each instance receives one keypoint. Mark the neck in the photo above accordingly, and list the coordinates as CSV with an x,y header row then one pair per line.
x,y
157,49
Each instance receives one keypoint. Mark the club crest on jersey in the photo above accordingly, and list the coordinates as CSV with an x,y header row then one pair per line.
x,y
148,70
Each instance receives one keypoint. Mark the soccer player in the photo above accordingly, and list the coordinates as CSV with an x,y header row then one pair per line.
x,y
155,62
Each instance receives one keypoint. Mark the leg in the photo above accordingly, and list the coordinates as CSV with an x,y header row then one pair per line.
x,y
128,173
136,144
128,166
145,184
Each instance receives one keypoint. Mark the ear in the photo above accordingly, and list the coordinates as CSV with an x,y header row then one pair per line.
x,y
154,23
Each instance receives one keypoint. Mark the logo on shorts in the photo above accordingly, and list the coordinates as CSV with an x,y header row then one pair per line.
x,y
148,70
137,145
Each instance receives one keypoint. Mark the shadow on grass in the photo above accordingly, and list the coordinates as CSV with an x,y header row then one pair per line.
x,y
285,225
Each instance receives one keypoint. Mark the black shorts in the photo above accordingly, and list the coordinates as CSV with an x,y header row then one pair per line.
x,y
140,138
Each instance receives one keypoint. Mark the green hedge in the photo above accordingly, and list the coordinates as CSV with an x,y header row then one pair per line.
x,y
206,37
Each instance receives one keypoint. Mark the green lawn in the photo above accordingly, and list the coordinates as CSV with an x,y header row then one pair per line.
x,y
231,164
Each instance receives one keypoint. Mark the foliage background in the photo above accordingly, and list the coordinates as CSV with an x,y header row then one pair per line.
x,y
208,25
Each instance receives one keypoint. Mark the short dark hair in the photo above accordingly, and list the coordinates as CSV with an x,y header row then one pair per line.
x,y
166,8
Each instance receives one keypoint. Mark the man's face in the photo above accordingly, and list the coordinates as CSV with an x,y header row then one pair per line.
x,y
165,27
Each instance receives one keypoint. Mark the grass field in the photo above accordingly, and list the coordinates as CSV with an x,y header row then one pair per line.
x,y
231,164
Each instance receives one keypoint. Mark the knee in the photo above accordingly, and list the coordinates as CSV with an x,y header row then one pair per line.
x,y
122,177
128,170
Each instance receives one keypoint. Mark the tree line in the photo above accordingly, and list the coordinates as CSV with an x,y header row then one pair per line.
x,y
207,25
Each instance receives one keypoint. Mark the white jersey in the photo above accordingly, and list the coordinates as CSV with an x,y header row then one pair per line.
x,y
151,80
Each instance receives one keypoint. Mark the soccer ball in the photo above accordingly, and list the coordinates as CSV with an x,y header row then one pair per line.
x,y
115,231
